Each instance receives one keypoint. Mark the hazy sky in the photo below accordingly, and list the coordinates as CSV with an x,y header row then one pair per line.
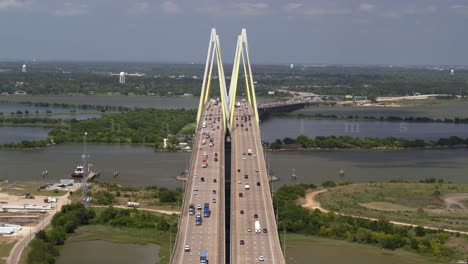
x,y
279,31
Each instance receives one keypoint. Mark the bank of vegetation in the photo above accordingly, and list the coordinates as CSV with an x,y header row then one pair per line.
x,y
45,247
419,119
294,218
107,193
431,202
28,121
73,107
25,144
169,80
348,142
136,126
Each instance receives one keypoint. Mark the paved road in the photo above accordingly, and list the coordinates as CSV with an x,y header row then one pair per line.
x,y
256,199
18,248
210,234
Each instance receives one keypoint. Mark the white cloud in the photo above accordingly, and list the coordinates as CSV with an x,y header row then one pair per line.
x,y
411,11
4,4
253,8
139,8
460,9
169,7
233,9
366,7
70,9
293,6
311,10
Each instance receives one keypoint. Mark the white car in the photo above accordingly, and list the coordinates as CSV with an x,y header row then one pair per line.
x,y
261,258
187,248
247,186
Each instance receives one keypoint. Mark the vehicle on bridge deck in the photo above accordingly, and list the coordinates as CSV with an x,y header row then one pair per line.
x,y
198,220
203,257
191,209
206,210
257,227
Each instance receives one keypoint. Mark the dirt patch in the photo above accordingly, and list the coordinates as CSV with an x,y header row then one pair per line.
x,y
384,206
311,203
455,200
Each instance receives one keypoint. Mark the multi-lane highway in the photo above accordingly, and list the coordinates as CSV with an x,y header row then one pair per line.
x,y
204,185
250,195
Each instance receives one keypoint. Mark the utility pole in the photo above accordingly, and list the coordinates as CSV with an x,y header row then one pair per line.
x,y
284,242
170,241
85,169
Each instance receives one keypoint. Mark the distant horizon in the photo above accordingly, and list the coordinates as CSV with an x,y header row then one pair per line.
x,y
286,64
323,32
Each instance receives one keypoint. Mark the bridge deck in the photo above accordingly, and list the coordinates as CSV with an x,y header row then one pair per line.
x,y
210,234
257,200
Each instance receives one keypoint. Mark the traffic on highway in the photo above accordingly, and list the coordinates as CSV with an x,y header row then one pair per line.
x,y
201,229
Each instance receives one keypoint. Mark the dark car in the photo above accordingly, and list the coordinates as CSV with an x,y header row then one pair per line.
x,y
265,230
238,170
214,192
214,180
241,211
242,242
255,215
202,179
241,195
246,176
258,183
215,159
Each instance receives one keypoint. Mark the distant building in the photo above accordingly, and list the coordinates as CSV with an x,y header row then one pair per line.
x,y
122,77
271,92
452,72
291,66
23,69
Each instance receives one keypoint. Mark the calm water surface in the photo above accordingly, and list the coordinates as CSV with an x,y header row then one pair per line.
x,y
121,100
141,166
350,254
440,109
101,252
10,134
279,128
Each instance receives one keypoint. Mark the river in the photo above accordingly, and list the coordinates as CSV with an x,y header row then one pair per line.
x,y
100,251
10,134
141,166
118,100
279,128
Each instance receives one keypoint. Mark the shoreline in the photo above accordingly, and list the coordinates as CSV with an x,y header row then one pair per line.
x,y
360,149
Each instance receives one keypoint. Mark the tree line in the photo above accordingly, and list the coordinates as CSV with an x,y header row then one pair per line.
x,y
169,80
136,126
294,218
44,245
348,142
420,119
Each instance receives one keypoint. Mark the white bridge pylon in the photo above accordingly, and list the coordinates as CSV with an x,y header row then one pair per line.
x,y
228,102
214,50
242,53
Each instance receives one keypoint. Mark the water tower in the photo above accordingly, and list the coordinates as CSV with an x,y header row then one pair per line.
x,y
122,77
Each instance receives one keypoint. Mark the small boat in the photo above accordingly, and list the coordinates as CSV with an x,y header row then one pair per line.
x,y
341,172
79,172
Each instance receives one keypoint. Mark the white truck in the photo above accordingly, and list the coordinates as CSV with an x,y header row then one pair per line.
x,y
204,124
133,204
249,152
257,227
